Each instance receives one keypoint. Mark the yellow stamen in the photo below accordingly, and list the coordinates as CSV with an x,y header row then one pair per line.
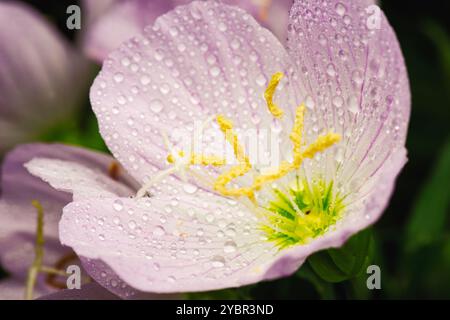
x,y
239,170
296,134
203,160
270,92
244,166
322,142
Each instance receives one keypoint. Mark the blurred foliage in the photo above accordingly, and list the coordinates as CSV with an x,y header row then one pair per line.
x,y
411,243
345,263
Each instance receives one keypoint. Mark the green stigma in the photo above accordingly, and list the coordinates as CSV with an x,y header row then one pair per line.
x,y
301,213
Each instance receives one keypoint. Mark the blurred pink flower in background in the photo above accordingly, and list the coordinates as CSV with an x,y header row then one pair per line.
x,y
18,216
215,59
43,78
111,22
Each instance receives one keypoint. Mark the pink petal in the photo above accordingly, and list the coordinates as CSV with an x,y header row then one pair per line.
x,y
111,22
14,289
90,291
188,243
353,78
272,14
83,181
120,22
18,216
196,62
40,75
174,243
94,10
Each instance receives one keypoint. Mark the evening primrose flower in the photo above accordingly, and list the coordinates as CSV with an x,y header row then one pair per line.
x,y
111,22
23,197
41,76
211,213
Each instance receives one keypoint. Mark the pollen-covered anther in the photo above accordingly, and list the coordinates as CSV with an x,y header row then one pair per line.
x,y
270,92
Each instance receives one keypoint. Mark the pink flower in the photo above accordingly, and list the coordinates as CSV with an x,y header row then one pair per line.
x,y
19,220
200,221
111,22
41,76
19,217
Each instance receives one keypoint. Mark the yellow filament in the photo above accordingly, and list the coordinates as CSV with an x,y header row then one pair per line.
x,y
270,92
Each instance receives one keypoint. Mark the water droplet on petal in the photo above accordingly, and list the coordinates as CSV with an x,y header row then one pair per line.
x,y
118,77
331,71
159,231
145,80
229,247
218,262
189,188
118,205
215,71
340,9
309,102
156,106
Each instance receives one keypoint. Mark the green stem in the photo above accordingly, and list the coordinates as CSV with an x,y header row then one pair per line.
x,y
38,252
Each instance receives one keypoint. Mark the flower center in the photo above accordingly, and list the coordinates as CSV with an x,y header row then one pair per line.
x,y
302,212
288,220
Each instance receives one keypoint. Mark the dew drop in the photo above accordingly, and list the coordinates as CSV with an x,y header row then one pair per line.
x,y
132,224
340,9
229,247
338,101
145,80
189,188
309,102
159,231
261,80
118,205
331,71
215,71
118,77
353,105
218,262
156,106
222,27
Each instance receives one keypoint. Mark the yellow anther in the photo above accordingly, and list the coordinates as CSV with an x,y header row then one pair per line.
x,y
322,142
207,160
224,123
240,169
270,92
196,159
171,158
296,134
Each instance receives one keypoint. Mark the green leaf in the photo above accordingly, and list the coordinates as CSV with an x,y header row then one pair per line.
x,y
441,41
347,262
325,268
323,288
427,221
